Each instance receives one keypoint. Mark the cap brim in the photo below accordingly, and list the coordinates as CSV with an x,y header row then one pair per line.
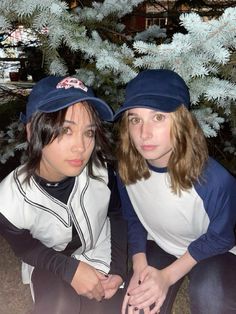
x,y
161,103
104,111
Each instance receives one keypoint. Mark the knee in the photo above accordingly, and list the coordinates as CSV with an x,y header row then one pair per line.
x,y
61,304
211,288
52,295
206,295
205,287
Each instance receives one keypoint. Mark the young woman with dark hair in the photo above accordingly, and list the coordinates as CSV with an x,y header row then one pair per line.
x,y
60,211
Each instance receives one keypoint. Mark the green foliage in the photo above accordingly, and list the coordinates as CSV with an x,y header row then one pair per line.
x,y
90,42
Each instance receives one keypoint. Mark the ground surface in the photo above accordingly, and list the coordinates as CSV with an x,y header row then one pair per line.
x,y
15,297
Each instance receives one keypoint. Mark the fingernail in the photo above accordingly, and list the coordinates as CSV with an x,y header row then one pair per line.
x,y
139,282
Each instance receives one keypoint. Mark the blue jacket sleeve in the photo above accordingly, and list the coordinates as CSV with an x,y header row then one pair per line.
x,y
218,193
137,234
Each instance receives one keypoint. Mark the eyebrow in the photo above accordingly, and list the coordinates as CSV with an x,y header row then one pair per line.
x,y
152,111
92,125
132,114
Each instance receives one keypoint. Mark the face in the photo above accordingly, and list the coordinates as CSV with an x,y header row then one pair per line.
x,y
69,153
150,133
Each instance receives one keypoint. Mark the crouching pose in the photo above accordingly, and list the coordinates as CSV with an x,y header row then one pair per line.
x,y
180,204
60,211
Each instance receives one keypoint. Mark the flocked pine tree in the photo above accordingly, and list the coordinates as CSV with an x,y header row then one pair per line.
x,y
109,58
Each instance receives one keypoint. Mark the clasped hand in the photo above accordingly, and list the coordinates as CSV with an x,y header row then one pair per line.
x,y
91,283
147,288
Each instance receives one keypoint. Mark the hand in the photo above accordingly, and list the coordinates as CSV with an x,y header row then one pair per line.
x,y
134,283
152,289
111,284
86,282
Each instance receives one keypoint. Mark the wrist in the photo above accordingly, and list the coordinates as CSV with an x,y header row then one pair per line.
x,y
167,275
179,268
139,262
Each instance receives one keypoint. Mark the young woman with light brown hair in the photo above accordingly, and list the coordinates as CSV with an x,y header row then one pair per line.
x,y
179,203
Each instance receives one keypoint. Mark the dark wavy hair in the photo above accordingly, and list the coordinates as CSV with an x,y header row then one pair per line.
x,y
44,128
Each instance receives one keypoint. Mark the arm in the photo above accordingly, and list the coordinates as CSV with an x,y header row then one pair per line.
x,y
137,238
83,278
118,231
137,234
219,198
34,253
118,267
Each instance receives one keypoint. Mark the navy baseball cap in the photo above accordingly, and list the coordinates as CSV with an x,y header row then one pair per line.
x,y
160,89
54,93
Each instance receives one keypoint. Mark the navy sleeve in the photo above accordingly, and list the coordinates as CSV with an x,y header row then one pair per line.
x,y
137,234
119,258
218,193
36,254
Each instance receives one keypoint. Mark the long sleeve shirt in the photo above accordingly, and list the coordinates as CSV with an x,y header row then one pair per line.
x,y
200,220
54,226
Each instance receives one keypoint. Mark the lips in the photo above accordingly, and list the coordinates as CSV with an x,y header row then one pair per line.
x,y
148,147
76,162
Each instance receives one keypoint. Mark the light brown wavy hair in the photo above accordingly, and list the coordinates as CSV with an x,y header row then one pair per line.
x,y
187,160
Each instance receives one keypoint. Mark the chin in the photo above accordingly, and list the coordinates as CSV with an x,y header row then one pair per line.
x,y
75,172
150,156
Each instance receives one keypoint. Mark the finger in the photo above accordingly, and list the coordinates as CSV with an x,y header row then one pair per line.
x,y
143,298
89,295
132,310
109,293
125,304
143,274
157,306
146,303
98,297
98,292
146,310
110,286
102,276
155,310
142,288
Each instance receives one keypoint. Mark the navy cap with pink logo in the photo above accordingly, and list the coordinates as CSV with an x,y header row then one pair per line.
x,y
54,93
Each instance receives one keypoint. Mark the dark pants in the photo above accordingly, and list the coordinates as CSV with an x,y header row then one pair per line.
x,y
212,282
54,296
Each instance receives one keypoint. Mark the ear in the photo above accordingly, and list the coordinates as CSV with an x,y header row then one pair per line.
x,y
28,131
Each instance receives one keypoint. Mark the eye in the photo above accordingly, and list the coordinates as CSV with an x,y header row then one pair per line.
x,y
66,130
134,120
90,133
159,117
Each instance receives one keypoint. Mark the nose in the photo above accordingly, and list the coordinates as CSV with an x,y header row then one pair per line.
x,y
78,144
146,131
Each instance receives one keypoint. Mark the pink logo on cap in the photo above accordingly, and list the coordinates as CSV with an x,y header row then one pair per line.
x,y
69,82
